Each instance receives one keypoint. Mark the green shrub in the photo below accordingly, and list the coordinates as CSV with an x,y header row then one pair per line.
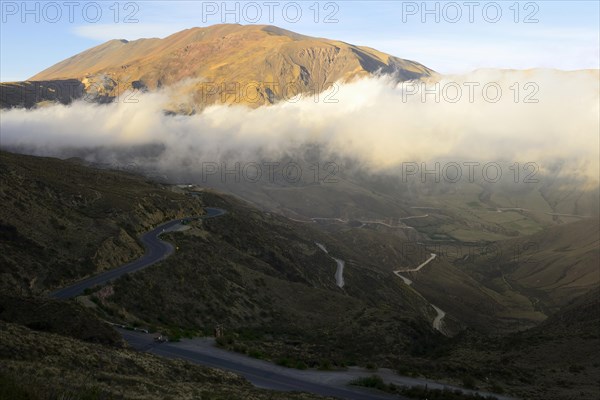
x,y
285,362
575,369
371,367
240,348
325,365
255,353
468,382
9,389
300,365
225,341
422,392
497,388
372,381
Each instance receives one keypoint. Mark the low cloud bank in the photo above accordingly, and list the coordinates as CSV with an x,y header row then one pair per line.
x,y
542,116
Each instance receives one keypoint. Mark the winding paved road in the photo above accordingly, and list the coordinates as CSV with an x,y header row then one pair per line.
x,y
439,318
430,259
267,375
155,251
339,272
437,322
261,373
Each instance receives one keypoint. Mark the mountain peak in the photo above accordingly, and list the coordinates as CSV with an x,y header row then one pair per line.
x,y
265,56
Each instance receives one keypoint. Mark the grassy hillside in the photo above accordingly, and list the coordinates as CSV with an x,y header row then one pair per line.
x,y
62,221
557,360
550,268
43,366
478,231
56,214
250,270
61,317
263,277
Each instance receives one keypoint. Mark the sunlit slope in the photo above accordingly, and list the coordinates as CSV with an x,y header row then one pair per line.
x,y
267,63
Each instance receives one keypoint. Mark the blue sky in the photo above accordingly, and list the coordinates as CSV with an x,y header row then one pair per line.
x,y
548,34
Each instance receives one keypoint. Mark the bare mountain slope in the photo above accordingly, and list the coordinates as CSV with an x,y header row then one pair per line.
x,y
255,64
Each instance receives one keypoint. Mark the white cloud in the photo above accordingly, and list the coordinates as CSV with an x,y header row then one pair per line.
x,y
375,122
